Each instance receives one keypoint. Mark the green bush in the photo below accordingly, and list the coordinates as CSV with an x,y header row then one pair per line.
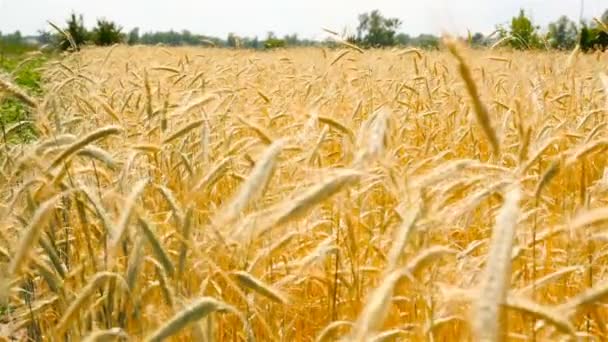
x,y
375,30
76,30
13,44
107,33
26,74
522,32
592,39
273,43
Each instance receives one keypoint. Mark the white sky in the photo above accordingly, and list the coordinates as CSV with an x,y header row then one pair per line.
x,y
248,18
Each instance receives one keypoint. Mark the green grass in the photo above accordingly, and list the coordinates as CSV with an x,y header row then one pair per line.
x,y
25,71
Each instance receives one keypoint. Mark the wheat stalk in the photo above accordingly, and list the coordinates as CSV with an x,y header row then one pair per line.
x,y
541,312
157,248
496,275
84,141
256,183
95,283
106,335
247,280
330,330
376,309
402,236
196,311
32,232
482,115
118,233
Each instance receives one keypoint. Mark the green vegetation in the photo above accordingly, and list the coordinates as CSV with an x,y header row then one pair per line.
x,y
375,30
76,30
272,42
563,34
14,44
522,32
107,33
25,71
594,38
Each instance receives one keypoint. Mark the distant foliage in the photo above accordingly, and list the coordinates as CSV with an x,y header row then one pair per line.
x,y
477,39
426,41
593,38
522,32
274,43
44,37
107,33
77,30
375,30
403,39
562,34
133,36
232,40
174,38
13,43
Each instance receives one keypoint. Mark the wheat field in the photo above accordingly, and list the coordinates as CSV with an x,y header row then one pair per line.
x,y
309,194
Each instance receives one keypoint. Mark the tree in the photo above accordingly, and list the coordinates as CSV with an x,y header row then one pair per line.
x,y
272,42
523,33
13,38
375,30
232,40
133,37
107,33
593,38
426,41
187,38
44,37
563,34
291,40
478,39
77,31
403,39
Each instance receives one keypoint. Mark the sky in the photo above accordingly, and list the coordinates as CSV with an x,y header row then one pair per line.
x,y
306,18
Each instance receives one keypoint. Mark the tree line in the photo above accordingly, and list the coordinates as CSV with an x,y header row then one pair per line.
x,y
373,30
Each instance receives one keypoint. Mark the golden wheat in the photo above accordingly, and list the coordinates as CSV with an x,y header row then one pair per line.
x,y
306,189
495,283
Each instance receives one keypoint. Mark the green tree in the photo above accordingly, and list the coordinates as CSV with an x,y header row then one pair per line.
x,y
107,33
76,30
477,39
133,37
375,30
232,40
291,40
44,37
523,33
563,34
12,43
12,38
593,38
403,39
272,42
426,41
